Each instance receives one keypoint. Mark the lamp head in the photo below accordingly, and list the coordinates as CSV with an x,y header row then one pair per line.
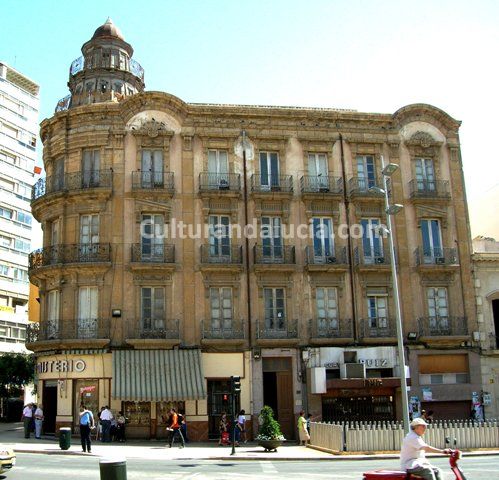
x,y
390,169
376,190
394,209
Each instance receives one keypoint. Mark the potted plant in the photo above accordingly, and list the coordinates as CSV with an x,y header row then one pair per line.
x,y
269,434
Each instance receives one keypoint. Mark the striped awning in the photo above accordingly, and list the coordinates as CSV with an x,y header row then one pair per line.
x,y
158,375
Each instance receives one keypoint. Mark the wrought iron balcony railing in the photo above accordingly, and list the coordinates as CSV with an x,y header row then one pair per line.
x,y
442,326
153,253
48,330
272,254
374,257
165,329
277,328
321,184
220,182
72,181
429,188
362,186
375,327
75,253
436,256
272,183
223,329
127,65
337,256
143,180
331,328
222,254
79,329
63,104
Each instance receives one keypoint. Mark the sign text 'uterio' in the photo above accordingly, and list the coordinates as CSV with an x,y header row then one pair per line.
x,y
51,366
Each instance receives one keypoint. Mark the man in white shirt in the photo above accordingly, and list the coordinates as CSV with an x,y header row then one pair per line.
x,y
38,421
27,418
412,453
105,419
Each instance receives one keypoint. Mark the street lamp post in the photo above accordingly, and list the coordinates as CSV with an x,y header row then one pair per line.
x,y
390,210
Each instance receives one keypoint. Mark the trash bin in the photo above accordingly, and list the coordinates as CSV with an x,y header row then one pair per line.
x,y
112,468
64,438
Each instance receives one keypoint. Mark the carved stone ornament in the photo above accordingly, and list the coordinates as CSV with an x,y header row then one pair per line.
x,y
151,129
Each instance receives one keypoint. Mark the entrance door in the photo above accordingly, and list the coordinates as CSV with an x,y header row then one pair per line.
x,y
49,406
219,401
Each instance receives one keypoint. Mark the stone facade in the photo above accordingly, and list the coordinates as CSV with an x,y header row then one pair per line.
x,y
287,305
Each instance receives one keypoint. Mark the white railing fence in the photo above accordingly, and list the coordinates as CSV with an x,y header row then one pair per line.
x,y
387,436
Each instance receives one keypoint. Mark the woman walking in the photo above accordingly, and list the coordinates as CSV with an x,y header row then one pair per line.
x,y
302,429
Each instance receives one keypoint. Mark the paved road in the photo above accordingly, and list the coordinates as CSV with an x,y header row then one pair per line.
x,y
49,467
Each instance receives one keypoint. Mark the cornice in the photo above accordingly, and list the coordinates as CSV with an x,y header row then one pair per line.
x,y
425,112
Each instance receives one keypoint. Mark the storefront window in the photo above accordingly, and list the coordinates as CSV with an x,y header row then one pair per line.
x,y
163,411
87,393
138,414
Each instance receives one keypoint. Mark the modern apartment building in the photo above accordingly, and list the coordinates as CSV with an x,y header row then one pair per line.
x,y
185,243
19,105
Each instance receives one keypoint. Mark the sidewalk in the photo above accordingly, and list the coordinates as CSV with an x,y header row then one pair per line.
x,y
11,435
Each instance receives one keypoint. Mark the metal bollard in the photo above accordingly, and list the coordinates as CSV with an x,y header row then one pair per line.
x,y
112,468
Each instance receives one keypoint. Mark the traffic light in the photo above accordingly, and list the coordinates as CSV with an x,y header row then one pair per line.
x,y
235,385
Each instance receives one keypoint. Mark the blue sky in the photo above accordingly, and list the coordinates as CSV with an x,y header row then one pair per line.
x,y
373,56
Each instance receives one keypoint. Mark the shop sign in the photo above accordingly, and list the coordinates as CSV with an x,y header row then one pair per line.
x,y
427,395
51,366
373,382
369,363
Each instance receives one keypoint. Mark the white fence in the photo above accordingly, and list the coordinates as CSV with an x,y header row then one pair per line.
x,y
387,436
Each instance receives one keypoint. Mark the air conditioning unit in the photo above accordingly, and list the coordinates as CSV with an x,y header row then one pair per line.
x,y
223,184
352,370
440,260
379,260
331,259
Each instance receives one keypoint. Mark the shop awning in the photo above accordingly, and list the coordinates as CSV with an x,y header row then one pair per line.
x,y
158,375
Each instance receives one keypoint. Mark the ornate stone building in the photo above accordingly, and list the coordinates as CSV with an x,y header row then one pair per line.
x,y
152,297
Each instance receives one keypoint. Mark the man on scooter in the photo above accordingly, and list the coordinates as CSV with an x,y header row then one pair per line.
x,y
412,453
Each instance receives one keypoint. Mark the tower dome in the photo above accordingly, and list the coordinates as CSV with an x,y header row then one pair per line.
x,y
109,30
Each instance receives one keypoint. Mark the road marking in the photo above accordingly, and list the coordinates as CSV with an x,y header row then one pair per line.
x,y
267,467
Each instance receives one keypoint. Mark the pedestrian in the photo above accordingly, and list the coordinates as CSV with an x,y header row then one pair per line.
x,y
412,453
39,421
32,424
302,428
309,421
183,425
98,435
429,417
223,427
86,424
240,428
120,427
105,417
26,418
174,428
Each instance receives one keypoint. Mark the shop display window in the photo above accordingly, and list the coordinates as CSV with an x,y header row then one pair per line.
x,y
163,411
138,414
87,393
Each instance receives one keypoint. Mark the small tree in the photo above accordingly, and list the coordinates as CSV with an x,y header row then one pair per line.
x,y
269,426
16,371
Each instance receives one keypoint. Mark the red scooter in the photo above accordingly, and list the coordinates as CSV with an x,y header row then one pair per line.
x,y
401,475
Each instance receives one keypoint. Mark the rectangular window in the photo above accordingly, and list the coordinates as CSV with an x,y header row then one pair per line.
x,y
22,245
425,174
438,310
271,237
323,240
366,172
21,275
4,270
7,184
152,238
377,309
6,213
269,170
153,308
372,243
89,229
432,240
52,314
221,308
219,236
24,218
10,131
275,313
54,232
5,241
90,168
327,308
58,175
318,171
152,168
88,308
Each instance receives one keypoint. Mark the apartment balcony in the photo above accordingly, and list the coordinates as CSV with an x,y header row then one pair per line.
x,y
337,260
220,184
221,257
92,185
163,333
87,332
277,332
153,184
277,185
361,187
152,256
271,257
327,331
223,332
83,255
126,65
435,259
429,191
443,329
377,329
321,186
372,260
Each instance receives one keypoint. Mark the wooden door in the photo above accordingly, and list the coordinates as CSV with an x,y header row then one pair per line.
x,y
285,404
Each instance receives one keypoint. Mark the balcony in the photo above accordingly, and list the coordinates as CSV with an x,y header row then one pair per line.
x,y
76,183
220,183
221,256
321,186
319,261
323,331
157,183
274,257
126,65
376,329
277,332
443,327
435,190
361,187
83,332
372,260
59,255
272,184
154,334
435,258
223,332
